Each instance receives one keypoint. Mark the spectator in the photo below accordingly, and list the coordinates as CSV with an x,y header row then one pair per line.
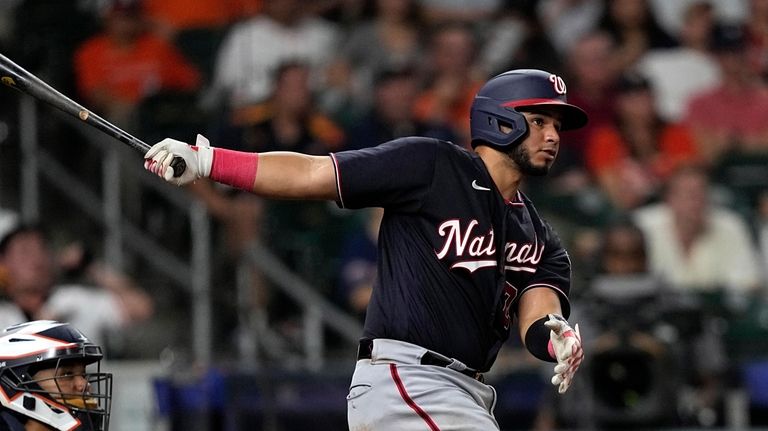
x,y
391,115
622,311
125,64
718,117
619,272
694,245
110,301
566,21
592,80
701,252
288,121
631,158
254,49
514,39
624,251
671,14
634,30
391,38
453,81
506,42
198,31
678,73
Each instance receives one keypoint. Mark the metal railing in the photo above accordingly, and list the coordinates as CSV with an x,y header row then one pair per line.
x,y
122,236
317,312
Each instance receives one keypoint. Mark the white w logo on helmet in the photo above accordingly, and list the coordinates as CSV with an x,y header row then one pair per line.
x,y
557,83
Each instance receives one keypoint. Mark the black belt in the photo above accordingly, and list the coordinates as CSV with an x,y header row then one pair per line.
x,y
429,358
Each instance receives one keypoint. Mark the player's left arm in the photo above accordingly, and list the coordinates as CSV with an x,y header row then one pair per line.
x,y
543,309
548,335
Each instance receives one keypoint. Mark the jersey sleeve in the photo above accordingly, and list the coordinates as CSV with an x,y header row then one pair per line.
x,y
397,174
554,271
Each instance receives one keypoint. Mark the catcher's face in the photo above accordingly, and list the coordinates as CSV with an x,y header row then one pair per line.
x,y
65,382
87,395
538,151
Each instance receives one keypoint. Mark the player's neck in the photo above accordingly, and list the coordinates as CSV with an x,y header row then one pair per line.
x,y
506,176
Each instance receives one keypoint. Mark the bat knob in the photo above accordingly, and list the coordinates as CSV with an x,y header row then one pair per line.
x,y
179,166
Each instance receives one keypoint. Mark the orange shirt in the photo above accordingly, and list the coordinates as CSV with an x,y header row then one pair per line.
x,y
184,14
131,74
456,115
606,150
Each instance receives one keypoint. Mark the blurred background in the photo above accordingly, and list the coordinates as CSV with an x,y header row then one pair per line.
x,y
222,311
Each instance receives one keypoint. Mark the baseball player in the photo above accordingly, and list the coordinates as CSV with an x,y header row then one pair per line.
x,y
44,385
462,250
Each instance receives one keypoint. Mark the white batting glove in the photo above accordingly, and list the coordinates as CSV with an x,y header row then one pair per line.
x,y
566,343
198,158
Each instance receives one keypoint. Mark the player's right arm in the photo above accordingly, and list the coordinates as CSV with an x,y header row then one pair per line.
x,y
278,175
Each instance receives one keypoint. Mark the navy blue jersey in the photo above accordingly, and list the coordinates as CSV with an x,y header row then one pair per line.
x,y
9,421
454,256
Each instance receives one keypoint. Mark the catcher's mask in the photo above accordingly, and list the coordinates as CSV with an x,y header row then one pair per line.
x,y
500,100
50,397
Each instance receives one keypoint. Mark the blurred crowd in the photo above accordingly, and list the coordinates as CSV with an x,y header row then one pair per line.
x,y
663,194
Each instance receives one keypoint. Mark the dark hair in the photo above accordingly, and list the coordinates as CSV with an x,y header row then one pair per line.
x,y
632,81
657,36
288,64
392,72
728,38
625,224
5,241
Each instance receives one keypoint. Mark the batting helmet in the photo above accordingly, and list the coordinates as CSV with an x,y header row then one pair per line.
x,y
500,99
28,348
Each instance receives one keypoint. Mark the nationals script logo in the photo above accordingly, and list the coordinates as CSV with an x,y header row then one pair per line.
x,y
477,250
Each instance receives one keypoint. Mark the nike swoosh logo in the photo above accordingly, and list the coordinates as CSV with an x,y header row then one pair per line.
x,y
479,187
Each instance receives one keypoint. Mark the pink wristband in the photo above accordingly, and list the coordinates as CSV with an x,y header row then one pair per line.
x,y
235,168
551,350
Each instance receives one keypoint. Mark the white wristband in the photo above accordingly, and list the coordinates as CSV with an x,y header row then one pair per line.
x,y
204,156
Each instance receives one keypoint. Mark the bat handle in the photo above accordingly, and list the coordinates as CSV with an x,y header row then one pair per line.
x,y
179,166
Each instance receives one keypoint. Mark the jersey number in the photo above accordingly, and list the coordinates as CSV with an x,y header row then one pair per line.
x,y
509,295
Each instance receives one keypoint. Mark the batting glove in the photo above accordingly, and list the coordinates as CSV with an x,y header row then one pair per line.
x,y
566,343
198,158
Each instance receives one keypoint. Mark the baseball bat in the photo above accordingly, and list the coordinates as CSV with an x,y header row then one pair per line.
x,y
18,78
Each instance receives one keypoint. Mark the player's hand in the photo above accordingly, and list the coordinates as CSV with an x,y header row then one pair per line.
x,y
566,343
198,158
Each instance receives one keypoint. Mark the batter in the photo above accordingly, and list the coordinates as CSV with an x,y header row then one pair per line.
x,y
462,251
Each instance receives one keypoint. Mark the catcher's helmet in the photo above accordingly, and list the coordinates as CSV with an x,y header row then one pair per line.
x,y
500,99
26,349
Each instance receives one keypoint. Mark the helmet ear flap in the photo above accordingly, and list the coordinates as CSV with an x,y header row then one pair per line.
x,y
495,125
